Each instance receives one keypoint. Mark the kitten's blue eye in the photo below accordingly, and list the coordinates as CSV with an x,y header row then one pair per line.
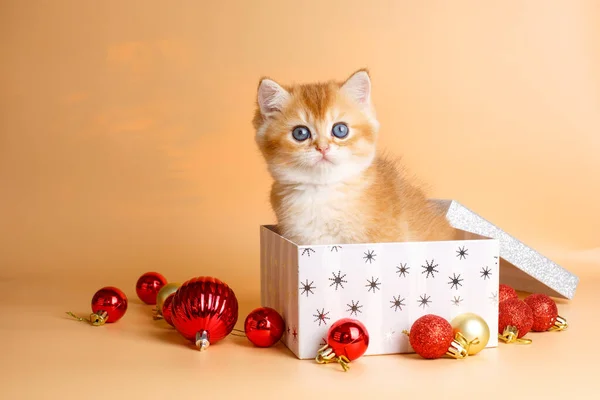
x,y
301,133
340,130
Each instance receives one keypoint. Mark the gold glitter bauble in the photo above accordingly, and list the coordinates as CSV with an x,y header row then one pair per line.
x,y
474,329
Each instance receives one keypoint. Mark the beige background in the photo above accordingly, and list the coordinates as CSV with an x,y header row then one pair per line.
x,y
126,146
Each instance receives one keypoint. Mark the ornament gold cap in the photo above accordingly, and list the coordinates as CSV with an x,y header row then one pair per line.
x,y
325,355
156,314
95,319
459,348
560,324
202,342
511,335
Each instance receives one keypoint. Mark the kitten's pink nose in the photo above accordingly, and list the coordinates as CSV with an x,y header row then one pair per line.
x,y
323,148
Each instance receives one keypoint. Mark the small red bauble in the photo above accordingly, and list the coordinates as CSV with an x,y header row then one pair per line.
x,y
347,340
544,311
506,292
515,313
431,336
109,304
264,327
110,300
348,337
166,309
204,310
148,285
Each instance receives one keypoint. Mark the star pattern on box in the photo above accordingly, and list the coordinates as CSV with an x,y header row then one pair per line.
x,y
295,334
457,300
389,335
486,273
386,289
307,288
338,280
455,281
370,256
354,308
462,252
402,270
307,251
397,303
373,284
429,268
321,316
424,301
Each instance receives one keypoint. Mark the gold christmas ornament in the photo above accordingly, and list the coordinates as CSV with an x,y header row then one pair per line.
x,y
162,295
471,331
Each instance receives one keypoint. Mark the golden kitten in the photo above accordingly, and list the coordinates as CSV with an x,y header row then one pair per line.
x,y
319,141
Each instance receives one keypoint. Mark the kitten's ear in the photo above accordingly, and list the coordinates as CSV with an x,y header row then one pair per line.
x,y
358,87
271,97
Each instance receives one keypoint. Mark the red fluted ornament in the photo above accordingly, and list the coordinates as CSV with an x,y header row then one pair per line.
x,y
109,304
347,340
515,320
148,285
545,313
167,313
204,310
506,292
264,327
432,337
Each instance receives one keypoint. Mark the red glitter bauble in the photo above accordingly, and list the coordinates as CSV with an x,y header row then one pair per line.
x,y
166,309
348,337
148,285
264,327
204,310
517,313
431,336
110,300
544,311
506,292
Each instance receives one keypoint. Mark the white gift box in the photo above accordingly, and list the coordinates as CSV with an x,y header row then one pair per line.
x,y
386,286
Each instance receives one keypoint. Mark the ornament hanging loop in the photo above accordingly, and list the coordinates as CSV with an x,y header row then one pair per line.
x,y
325,355
559,325
156,314
344,362
202,342
511,335
95,319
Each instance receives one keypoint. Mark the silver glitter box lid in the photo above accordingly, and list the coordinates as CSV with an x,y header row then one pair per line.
x,y
521,267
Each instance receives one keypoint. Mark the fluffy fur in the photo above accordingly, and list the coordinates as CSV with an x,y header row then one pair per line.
x,y
347,194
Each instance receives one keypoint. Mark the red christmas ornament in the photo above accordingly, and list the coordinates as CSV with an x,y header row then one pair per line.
x,y
204,310
506,292
264,327
347,340
515,320
148,285
166,309
432,337
109,304
545,313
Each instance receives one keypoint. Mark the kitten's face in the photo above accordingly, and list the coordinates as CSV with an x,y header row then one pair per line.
x,y
318,133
